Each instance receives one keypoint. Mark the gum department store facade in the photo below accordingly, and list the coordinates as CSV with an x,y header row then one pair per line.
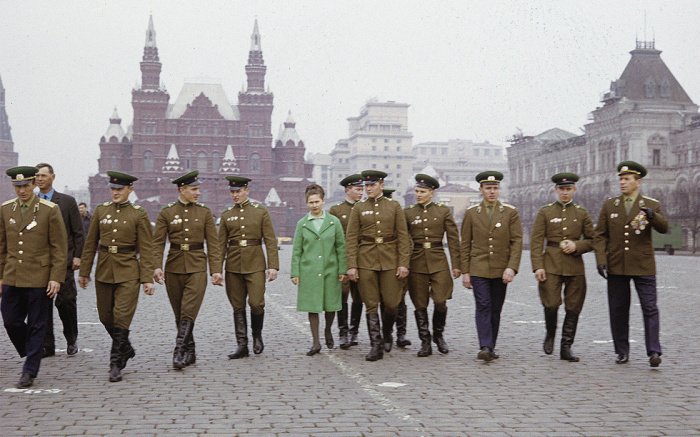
x,y
203,131
647,117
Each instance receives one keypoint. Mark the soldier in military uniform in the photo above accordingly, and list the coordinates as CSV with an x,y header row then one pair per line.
x,y
430,274
401,312
121,232
33,247
492,243
378,254
624,251
186,224
242,229
354,189
562,232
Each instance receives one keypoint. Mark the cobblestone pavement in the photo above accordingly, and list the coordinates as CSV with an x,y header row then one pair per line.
x,y
337,392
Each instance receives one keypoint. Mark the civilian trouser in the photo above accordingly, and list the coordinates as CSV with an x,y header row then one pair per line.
x,y
16,305
489,295
67,306
619,305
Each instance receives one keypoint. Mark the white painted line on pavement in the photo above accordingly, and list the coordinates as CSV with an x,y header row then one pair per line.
x,y
89,323
391,384
348,371
31,391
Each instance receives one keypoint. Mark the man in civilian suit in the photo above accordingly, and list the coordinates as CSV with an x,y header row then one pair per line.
x,y
67,296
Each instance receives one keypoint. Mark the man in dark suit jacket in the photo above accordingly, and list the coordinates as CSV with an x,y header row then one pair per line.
x,y
67,296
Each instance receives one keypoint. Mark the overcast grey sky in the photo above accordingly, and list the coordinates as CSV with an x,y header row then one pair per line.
x,y
472,70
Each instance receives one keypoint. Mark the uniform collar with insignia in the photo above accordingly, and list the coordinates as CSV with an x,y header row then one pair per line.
x,y
184,204
121,205
425,206
377,199
565,206
349,203
247,202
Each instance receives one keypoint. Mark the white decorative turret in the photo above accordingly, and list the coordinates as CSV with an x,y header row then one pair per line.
x,y
272,198
172,162
229,164
115,127
287,133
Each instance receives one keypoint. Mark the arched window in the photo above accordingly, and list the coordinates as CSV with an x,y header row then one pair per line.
x,y
148,161
255,163
215,161
188,160
650,88
202,161
113,163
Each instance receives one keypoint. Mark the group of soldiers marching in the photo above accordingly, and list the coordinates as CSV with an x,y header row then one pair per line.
x,y
389,250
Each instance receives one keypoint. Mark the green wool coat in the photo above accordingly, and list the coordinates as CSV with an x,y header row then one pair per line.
x,y
317,260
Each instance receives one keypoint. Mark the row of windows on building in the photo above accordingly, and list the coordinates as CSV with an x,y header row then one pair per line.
x,y
444,151
384,128
191,162
189,128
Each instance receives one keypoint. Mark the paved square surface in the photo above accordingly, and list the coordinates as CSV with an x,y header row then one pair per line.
x,y
337,392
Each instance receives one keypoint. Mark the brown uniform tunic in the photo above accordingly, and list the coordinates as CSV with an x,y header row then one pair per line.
x,y
187,227
342,211
122,235
430,273
377,243
241,232
554,223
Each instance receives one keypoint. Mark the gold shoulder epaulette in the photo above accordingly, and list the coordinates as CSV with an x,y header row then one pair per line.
x,y
547,205
650,198
47,203
106,204
202,205
406,208
168,205
473,206
581,207
7,202
257,205
508,205
138,207
227,209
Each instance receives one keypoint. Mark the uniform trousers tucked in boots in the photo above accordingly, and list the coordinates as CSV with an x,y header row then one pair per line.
x,y
186,293
619,305
66,304
238,288
381,286
31,304
550,292
489,295
422,287
348,333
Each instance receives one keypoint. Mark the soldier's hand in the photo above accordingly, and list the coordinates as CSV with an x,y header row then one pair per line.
x,y
271,274
569,247
149,288
649,212
342,278
295,280
76,264
401,272
508,275
158,276
52,289
217,279
353,275
540,275
603,270
467,280
83,281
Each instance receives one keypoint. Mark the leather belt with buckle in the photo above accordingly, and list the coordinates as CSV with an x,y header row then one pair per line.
x,y
379,240
244,243
187,247
118,249
427,244
552,244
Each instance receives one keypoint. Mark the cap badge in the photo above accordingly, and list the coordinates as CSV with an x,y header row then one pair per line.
x,y
491,178
20,177
624,168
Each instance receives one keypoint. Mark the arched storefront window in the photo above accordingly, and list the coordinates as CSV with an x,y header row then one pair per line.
x,y
255,163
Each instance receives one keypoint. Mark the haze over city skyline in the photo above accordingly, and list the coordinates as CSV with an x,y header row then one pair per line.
x,y
469,70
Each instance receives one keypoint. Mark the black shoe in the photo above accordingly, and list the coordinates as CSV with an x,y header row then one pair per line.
x,y
353,340
494,355
48,353
343,342
329,341
402,341
566,355
485,354
622,359
25,381
72,349
240,352
115,374
548,345
654,359
313,351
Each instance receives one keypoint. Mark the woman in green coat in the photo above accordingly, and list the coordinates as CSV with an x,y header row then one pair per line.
x,y
318,265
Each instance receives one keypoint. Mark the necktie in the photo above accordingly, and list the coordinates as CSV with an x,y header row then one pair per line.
x,y
628,204
489,212
23,209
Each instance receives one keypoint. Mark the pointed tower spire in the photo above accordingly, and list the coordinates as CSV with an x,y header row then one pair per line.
x,y
172,162
150,64
255,70
229,164
5,134
115,118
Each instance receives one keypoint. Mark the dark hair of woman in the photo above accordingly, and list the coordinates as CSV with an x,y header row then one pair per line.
x,y
314,189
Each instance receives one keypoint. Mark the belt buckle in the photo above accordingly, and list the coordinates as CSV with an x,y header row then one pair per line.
x,y
113,249
426,245
185,247
243,243
379,240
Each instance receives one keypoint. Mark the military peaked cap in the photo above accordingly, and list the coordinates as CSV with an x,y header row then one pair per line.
x,y
489,177
631,167
190,178
22,175
565,179
120,180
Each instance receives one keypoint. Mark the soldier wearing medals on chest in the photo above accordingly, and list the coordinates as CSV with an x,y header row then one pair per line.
x,y
187,224
492,244
354,189
428,223
242,230
120,233
33,247
561,234
378,254
625,252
